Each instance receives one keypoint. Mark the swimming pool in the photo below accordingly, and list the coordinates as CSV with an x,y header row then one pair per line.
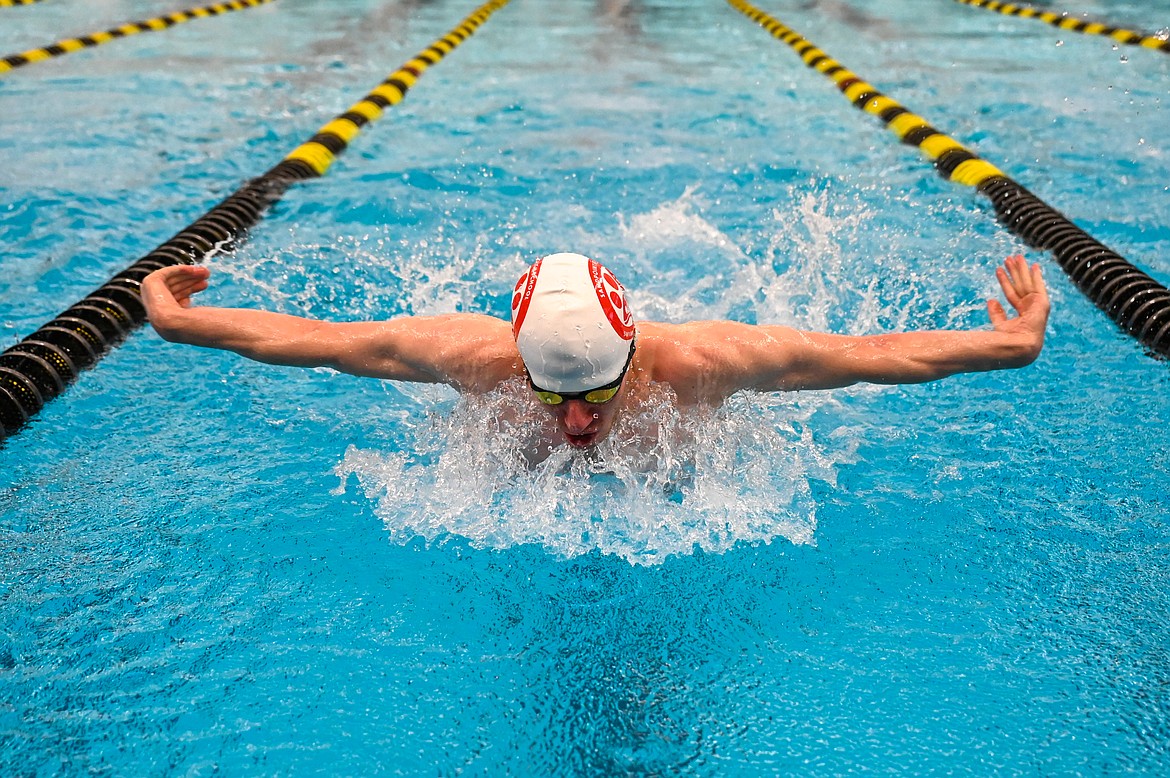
x,y
212,565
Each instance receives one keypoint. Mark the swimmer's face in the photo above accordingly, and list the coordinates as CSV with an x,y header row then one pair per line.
x,y
586,424
585,418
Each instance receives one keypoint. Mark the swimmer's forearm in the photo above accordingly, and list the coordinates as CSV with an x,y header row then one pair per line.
x,y
918,357
907,358
803,360
363,348
264,336
260,335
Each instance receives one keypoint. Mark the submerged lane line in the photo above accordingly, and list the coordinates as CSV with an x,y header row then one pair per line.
x,y
318,153
40,366
314,156
953,160
130,28
1137,302
1066,22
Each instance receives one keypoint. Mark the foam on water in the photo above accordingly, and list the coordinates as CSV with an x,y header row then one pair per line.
x,y
663,483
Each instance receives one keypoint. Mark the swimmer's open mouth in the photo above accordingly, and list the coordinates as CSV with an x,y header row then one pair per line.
x,y
581,441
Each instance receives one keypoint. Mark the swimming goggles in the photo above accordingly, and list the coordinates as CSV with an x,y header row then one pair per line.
x,y
598,396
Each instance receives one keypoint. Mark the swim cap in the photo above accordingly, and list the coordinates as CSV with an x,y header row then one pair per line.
x,y
571,323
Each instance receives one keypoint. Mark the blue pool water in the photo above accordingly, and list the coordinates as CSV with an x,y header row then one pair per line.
x,y
214,566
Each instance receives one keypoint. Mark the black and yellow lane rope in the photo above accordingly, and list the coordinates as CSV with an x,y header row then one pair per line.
x,y
11,3
123,31
1138,303
40,366
1066,22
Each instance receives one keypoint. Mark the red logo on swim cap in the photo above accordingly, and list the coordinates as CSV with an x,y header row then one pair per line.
x,y
522,296
612,296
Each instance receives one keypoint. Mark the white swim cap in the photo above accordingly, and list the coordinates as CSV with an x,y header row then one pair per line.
x,y
571,323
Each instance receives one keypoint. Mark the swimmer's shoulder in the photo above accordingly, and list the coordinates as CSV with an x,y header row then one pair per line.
x,y
693,340
477,351
692,357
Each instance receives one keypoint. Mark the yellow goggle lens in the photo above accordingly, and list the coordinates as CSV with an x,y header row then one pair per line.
x,y
599,396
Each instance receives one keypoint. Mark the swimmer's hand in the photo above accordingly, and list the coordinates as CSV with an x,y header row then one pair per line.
x,y
172,286
166,295
1025,291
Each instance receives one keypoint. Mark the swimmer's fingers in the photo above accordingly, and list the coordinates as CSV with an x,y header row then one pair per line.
x,y
184,278
188,287
996,313
174,284
1024,288
180,275
176,276
1013,279
1037,280
1020,282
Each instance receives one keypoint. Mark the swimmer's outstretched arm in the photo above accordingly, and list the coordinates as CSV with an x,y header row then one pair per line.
x,y
779,358
468,351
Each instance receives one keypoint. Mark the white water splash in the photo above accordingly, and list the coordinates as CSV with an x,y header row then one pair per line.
x,y
808,278
741,474
675,223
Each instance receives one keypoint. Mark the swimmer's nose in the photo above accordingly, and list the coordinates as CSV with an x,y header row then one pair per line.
x,y
578,416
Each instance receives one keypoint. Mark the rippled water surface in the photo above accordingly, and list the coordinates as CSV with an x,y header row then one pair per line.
x,y
209,565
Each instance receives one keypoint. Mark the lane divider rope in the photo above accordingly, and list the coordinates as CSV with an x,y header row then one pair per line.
x,y
42,365
11,3
1066,22
1139,304
122,31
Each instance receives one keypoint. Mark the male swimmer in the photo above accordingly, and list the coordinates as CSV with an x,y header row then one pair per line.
x,y
573,339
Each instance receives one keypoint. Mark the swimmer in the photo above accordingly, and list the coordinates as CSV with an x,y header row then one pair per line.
x,y
573,339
